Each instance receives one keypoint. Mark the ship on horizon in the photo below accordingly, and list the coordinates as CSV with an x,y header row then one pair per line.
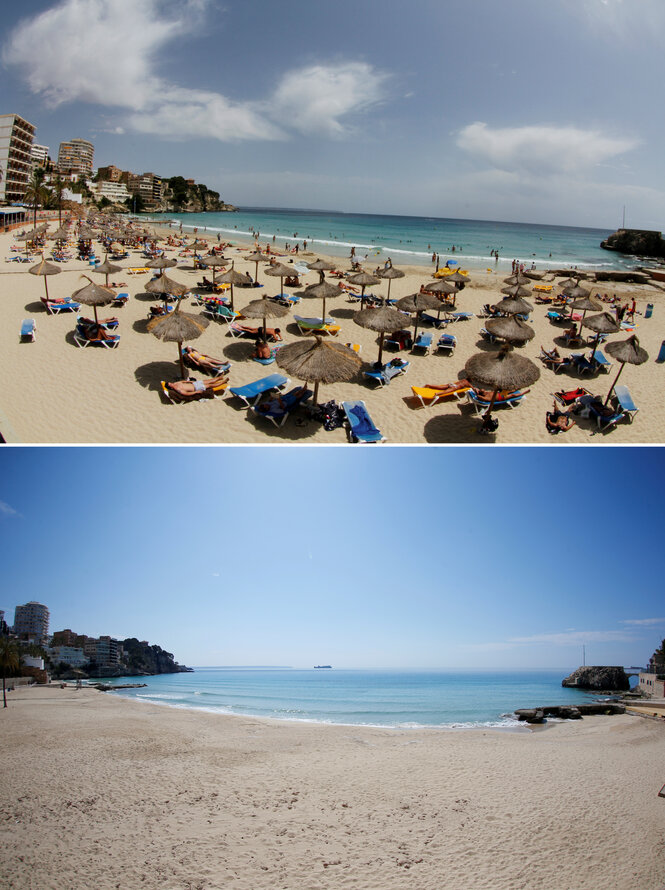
x,y
318,667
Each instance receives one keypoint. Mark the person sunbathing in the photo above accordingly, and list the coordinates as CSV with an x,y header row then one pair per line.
x,y
103,322
276,403
449,388
205,362
262,350
554,357
192,387
558,421
95,332
273,334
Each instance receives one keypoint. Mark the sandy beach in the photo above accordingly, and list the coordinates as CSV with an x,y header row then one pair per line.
x,y
64,394
105,792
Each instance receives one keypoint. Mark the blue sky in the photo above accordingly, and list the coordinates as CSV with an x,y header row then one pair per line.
x,y
543,112
392,557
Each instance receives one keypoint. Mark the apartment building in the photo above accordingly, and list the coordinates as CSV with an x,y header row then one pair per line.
x,y
16,136
75,158
39,155
114,191
70,655
109,174
31,622
147,185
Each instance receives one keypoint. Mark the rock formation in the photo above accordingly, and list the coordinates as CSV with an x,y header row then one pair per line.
x,y
639,242
568,712
598,678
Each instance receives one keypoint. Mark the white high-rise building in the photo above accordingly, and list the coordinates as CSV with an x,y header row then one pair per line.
x,y
16,137
75,158
31,622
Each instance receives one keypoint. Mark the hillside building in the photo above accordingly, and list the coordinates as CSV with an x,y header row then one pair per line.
x,y
75,158
31,622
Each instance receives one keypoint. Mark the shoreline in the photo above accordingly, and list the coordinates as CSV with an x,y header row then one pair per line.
x,y
161,798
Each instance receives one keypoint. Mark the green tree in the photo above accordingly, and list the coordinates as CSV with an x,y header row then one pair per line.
x,y
135,203
9,662
36,192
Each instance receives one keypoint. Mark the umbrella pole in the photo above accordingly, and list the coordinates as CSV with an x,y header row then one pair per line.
x,y
46,287
488,413
415,333
182,364
623,364
232,309
595,347
316,393
381,346
323,317
362,297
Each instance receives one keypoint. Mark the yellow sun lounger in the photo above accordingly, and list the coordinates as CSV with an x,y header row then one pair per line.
x,y
429,395
543,288
138,270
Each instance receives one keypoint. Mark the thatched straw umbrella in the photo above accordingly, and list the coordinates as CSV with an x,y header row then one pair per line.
x,y
511,329
316,360
577,292
568,284
257,257
167,287
458,278
321,266
279,270
516,290
60,234
264,308
383,320
603,323
418,303
390,273
107,269
44,268
514,306
324,290
161,262
586,304
363,279
627,352
502,371
234,277
517,278
94,295
216,262
198,244
177,327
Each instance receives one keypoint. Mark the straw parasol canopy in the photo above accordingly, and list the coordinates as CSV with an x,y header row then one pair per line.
x,y
316,360
281,271
627,352
216,262
363,279
587,303
516,290
256,257
514,306
383,320
107,269
161,262
390,273
264,308
325,290
603,323
60,234
458,278
502,371
518,278
167,286
418,303
577,293
177,327
320,266
44,268
198,244
511,329
234,277
441,286
94,295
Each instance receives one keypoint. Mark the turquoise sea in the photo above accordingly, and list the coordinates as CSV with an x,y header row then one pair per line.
x,y
389,698
411,240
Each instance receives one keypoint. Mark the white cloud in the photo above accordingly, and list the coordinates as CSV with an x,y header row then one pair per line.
x,y
7,510
540,149
643,622
105,52
315,99
576,637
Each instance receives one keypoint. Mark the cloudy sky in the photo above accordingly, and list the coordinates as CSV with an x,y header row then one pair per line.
x,y
545,112
399,557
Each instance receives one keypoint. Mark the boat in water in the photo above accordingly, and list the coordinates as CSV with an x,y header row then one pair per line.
x,y
319,667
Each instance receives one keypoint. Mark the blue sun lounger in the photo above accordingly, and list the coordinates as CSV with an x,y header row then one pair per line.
x,y
447,341
361,426
252,392
625,401
432,319
383,376
660,358
268,361
507,400
277,410
28,329
423,341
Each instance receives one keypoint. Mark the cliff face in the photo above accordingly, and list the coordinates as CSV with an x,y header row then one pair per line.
x,y
142,658
598,678
636,241
183,196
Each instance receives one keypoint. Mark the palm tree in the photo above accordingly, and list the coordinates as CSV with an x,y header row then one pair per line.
x,y
9,662
36,192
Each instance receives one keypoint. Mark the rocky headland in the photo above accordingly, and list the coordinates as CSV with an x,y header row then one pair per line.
x,y
638,242
598,678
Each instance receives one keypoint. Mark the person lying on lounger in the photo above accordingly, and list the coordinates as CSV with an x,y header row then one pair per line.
x,y
91,323
276,403
191,387
262,350
448,388
273,334
97,332
204,362
554,357
558,421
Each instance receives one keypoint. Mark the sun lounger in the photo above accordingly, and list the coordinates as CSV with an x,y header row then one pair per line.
x,y
28,329
307,325
432,319
286,299
361,426
430,395
503,400
602,360
568,397
447,342
138,270
204,363
591,406
252,392
585,365
554,363
398,340
268,361
55,307
120,299
460,316
278,409
660,358
423,341
625,402
177,398
384,375
219,312
83,338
